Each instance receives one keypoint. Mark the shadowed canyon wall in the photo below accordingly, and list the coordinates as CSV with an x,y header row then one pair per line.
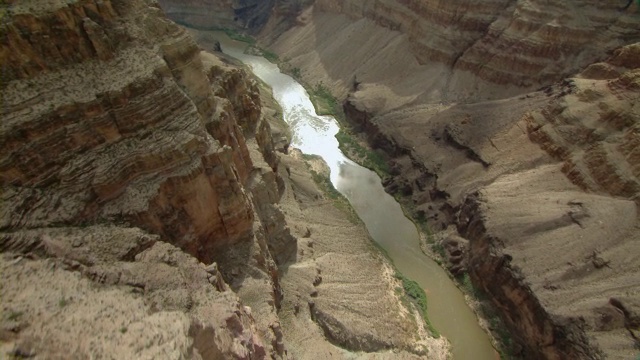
x,y
141,193
115,126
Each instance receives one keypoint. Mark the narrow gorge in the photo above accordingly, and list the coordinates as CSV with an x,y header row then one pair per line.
x,y
152,206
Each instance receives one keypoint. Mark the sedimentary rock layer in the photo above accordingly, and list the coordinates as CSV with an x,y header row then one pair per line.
x,y
141,192
138,135
446,91
113,115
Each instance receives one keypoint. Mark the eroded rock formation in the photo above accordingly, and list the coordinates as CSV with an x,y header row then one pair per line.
x,y
113,115
141,192
513,123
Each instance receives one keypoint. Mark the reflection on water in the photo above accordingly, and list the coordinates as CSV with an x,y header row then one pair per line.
x,y
381,214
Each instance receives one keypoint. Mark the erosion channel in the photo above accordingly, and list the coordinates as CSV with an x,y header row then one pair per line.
x,y
382,215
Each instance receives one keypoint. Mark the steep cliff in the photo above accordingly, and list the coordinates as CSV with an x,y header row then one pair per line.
x,y
111,116
542,183
142,194
246,15
117,163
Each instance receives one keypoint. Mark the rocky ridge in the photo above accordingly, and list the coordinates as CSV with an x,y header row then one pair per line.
x,y
141,192
128,131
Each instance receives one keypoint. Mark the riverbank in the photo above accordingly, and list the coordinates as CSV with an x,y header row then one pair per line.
x,y
341,294
353,144
459,321
356,147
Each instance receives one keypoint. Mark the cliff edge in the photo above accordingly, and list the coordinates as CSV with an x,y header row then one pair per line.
x,y
146,214
511,130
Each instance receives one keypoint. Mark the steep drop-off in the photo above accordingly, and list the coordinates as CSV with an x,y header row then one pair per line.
x,y
142,193
445,91
513,124
111,125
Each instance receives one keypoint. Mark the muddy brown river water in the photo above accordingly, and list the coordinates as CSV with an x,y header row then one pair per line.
x,y
382,215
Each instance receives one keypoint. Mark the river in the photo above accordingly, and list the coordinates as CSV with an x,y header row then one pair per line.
x,y
382,215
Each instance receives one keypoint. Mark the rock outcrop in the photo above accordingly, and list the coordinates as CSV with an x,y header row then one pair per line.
x,y
591,125
144,298
515,123
130,159
142,193
461,52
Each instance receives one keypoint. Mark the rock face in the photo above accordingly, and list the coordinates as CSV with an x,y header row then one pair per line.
x,y
515,124
141,193
116,163
245,15
144,298
591,125
113,115
251,15
523,43
461,52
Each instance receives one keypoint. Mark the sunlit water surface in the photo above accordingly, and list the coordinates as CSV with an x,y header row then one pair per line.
x,y
381,214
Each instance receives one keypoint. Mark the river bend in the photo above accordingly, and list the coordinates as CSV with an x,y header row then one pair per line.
x,y
382,215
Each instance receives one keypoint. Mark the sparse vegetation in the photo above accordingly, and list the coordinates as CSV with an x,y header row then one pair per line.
x,y
325,103
123,330
15,315
359,153
417,295
496,326
236,35
467,287
439,249
296,73
63,302
326,185
270,55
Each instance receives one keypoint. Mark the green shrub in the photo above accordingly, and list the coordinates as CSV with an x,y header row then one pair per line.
x,y
419,297
339,201
238,36
270,55
365,157
15,315
296,73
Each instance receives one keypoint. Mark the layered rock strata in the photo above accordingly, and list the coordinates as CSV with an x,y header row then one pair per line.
x,y
112,115
460,52
446,91
141,192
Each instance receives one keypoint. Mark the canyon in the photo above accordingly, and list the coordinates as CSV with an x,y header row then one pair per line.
x,y
148,189
148,212
511,128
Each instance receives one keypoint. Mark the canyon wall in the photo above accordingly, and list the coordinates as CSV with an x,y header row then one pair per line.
x,y
159,144
512,124
238,15
220,14
119,135
142,193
